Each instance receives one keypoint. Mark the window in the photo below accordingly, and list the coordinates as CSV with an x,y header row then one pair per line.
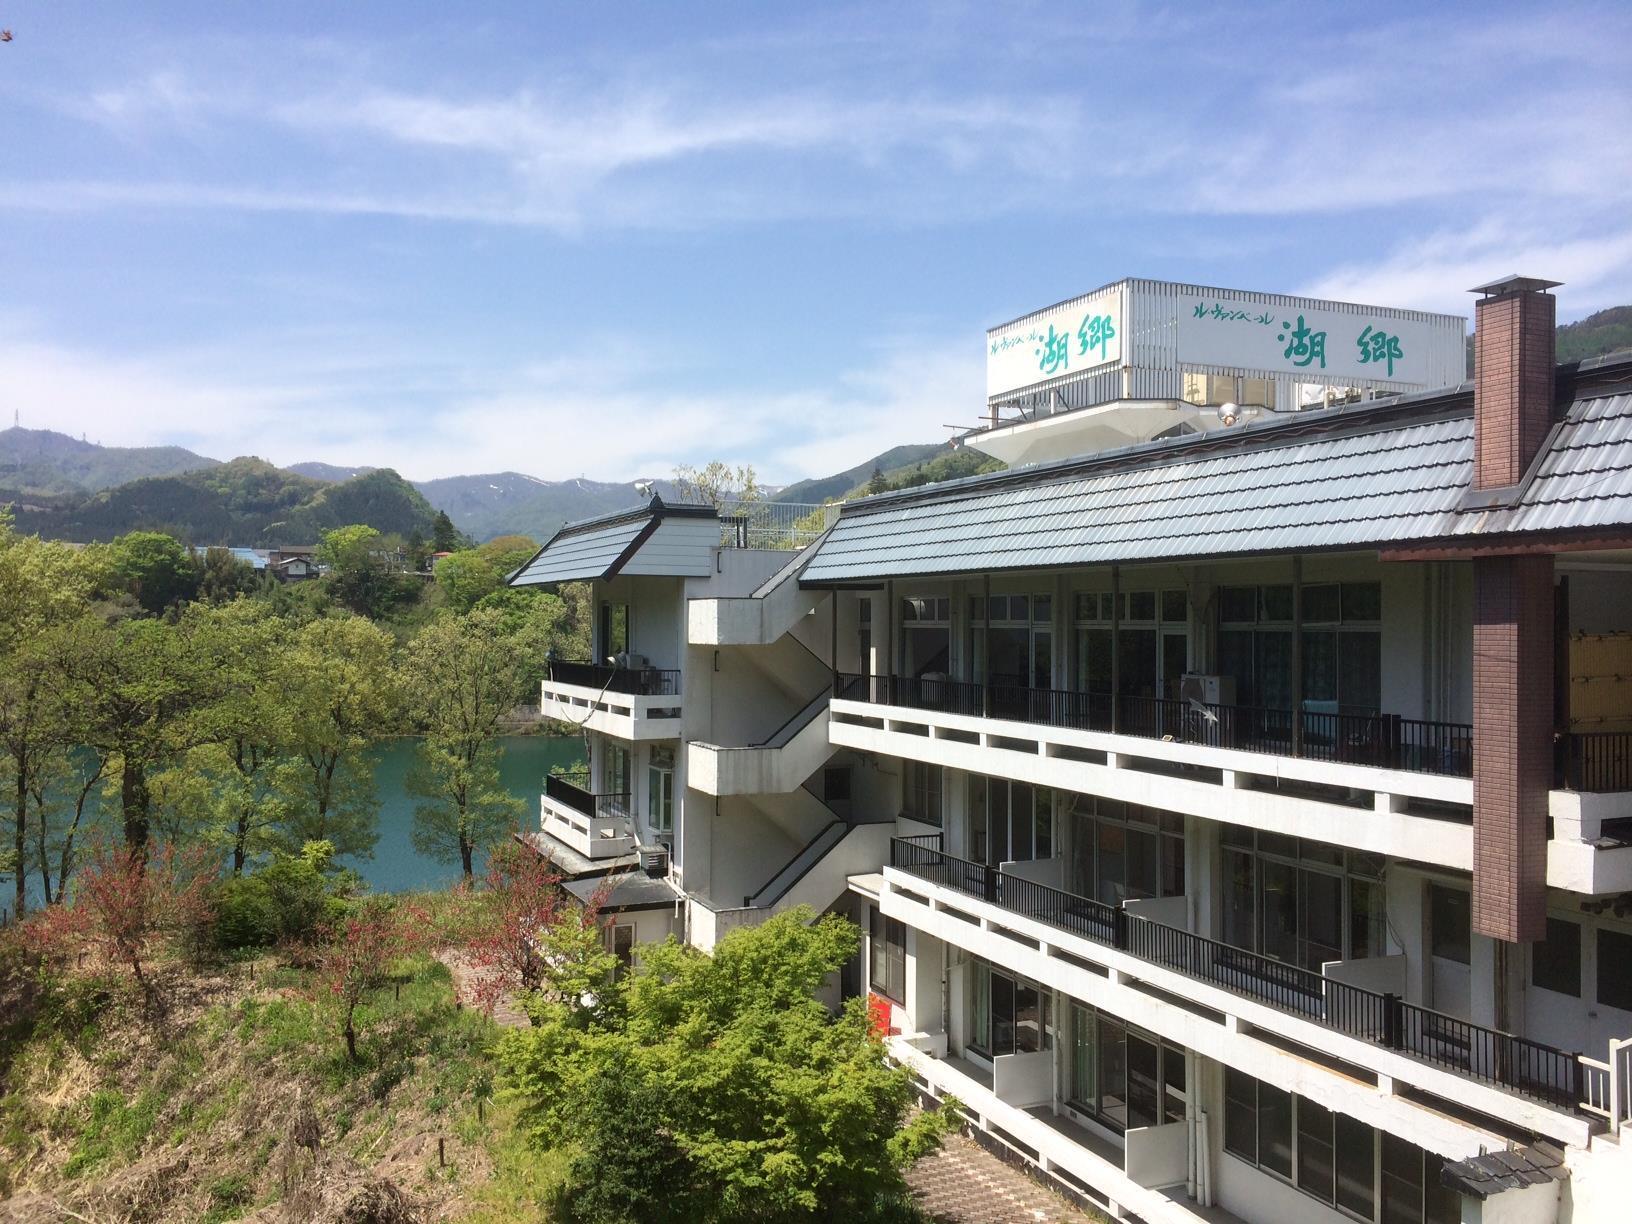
x,y
1121,1075
1009,1015
1316,1170
1009,822
620,941
614,630
888,970
1450,923
1555,963
1356,1166
1614,969
926,635
1342,645
1302,902
1012,641
615,770
923,785
1336,1158
660,790
1241,1115
1123,851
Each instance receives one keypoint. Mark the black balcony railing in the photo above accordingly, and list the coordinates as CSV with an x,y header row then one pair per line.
x,y
1516,1064
630,681
1597,761
1383,740
572,790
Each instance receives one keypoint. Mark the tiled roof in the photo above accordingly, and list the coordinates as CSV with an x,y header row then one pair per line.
x,y
1378,476
1483,1176
600,547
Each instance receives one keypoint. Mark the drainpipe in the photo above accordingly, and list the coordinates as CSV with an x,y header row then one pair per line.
x,y
889,642
1116,647
1297,655
986,647
833,648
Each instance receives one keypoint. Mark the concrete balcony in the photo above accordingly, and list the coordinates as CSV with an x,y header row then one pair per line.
x,y
596,826
1124,1179
1417,805
1211,997
625,703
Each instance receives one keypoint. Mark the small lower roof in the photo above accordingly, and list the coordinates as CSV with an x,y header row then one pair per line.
x,y
656,538
1482,1176
625,891
570,863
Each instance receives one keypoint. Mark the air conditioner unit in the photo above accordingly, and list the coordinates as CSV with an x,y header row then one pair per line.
x,y
1209,690
630,661
655,862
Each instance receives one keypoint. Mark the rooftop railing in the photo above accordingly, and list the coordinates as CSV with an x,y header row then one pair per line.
x,y
774,525
1383,740
1515,1064
629,681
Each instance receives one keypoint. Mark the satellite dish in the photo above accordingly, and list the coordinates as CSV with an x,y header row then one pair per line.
x,y
1228,413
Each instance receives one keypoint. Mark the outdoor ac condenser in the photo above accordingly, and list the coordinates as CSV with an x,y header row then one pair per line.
x,y
1209,690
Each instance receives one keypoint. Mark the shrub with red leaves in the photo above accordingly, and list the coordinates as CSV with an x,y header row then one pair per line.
x,y
357,954
125,905
520,899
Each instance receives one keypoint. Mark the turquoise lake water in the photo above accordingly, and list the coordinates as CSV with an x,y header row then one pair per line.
x,y
396,865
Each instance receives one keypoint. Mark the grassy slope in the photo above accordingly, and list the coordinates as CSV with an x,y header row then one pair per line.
x,y
194,1117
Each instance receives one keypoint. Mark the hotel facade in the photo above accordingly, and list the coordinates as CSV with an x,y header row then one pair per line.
x,y
1236,791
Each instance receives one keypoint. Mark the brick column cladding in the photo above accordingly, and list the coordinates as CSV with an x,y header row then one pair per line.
x,y
1513,627
1512,744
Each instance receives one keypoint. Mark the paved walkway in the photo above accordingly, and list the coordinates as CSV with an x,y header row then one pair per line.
x,y
963,1183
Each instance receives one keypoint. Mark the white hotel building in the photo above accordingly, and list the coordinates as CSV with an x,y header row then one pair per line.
x,y
1237,791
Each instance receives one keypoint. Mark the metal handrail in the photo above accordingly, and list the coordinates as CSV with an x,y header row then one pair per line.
x,y
1596,761
1516,1064
1358,738
628,681
604,805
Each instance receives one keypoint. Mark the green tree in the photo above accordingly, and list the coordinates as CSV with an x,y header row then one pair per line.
x,y
758,1103
360,578
42,585
445,537
139,687
249,725
466,675
342,695
877,484
471,574
156,569
719,485
222,577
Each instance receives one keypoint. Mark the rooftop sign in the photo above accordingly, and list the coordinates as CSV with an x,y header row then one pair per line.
x,y
1323,345
1066,339
1165,329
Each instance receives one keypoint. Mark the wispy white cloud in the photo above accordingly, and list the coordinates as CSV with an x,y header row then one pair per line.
x,y
556,418
1434,271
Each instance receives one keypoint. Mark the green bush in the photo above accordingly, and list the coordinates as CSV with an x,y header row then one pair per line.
x,y
288,899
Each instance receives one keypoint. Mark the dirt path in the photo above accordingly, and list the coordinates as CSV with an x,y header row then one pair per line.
x,y
506,1013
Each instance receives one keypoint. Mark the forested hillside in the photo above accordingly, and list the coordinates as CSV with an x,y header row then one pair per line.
x,y
246,502
42,461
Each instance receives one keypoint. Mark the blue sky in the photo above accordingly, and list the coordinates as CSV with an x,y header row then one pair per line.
x,y
600,240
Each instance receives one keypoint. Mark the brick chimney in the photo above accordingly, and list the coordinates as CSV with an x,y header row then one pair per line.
x,y
1514,356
